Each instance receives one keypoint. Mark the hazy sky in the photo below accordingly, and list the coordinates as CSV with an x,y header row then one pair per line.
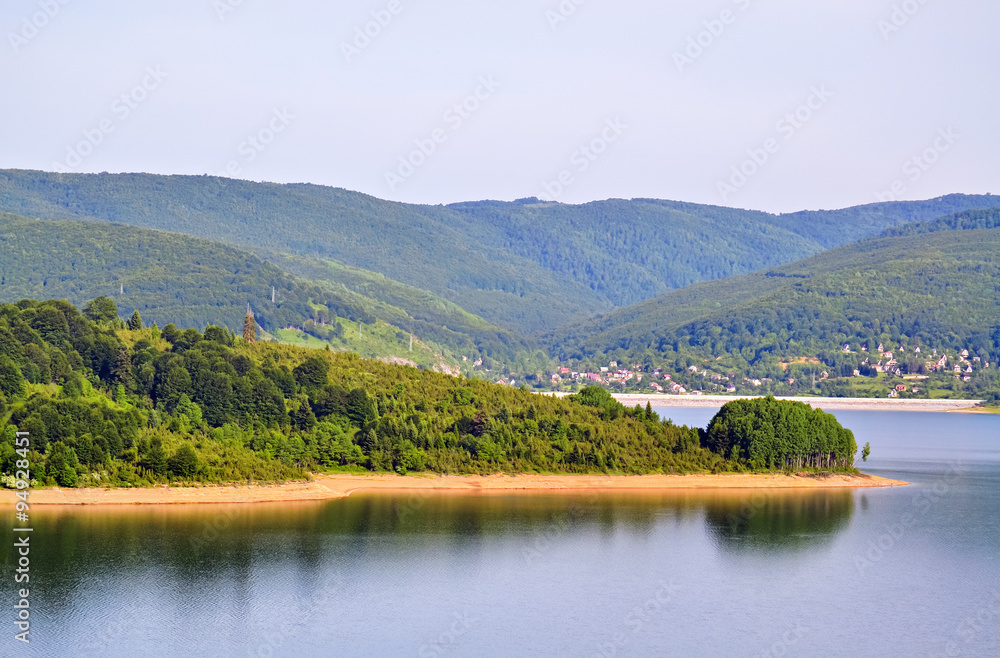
x,y
501,99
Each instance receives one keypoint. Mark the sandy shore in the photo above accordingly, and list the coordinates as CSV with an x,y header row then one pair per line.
x,y
827,404
327,487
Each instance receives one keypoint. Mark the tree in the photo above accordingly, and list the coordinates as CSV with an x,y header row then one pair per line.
x,y
102,310
121,371
135,322
155,459
219,335
303,418
62,462
67,477
312,373
184,462
171,333
249,327
11,381
361,408
185,407
867,450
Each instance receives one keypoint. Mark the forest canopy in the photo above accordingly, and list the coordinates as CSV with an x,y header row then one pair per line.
x,y
765,433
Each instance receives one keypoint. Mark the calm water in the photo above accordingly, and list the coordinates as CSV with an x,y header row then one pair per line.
x,y
902,572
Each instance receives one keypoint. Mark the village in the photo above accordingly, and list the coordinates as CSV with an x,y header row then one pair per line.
x,y
894,373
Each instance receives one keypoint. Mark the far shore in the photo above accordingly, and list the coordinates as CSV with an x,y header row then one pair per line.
x,y
329,487
863,404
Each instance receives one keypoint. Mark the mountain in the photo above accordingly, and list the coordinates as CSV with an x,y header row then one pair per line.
x,y
525,265
193,282
939,289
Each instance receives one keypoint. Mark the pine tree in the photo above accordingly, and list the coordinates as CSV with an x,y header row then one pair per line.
x,y
121,371
135,322
249,327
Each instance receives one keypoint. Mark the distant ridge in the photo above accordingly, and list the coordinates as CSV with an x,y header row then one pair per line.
x,y
525,265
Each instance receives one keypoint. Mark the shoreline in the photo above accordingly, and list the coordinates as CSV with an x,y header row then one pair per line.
x,y
861,404
335,486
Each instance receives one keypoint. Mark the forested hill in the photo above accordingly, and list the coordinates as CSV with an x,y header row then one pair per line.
x,y
964,221
939,290
833,228
526,265
193,282
106,407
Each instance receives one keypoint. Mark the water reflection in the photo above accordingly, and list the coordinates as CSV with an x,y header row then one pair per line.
x,y
779,520
201,544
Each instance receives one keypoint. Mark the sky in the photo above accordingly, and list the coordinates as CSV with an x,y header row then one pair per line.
x,y
776,105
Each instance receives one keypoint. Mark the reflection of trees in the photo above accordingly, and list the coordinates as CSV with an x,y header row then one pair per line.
x,y
788,520
215,545
196,546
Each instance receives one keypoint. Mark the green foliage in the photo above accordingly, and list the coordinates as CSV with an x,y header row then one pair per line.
x,y
102,310
198,409
527,265
970,220
192,283
67,477
11,381
155,459
595,396
866,452
765,433
935,290
311,373
184,462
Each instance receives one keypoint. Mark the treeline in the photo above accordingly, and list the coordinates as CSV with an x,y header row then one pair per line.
x,y
106,405
765,433
193,282
970,220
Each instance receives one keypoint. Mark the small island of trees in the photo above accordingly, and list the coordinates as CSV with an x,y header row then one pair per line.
x,y
766,433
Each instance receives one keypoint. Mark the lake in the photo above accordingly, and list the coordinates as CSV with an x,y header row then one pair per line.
x,y
911,571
